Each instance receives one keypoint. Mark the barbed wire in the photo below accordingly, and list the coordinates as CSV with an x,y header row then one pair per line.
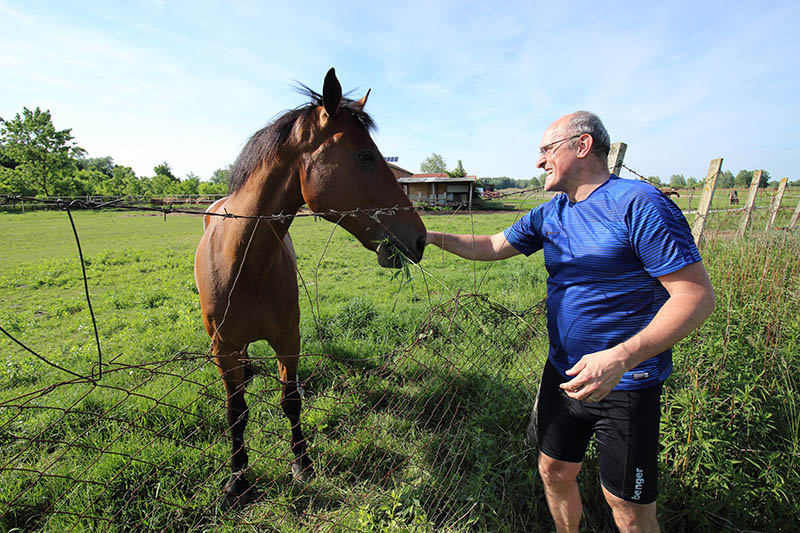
x,y
448,346
374,213
90,204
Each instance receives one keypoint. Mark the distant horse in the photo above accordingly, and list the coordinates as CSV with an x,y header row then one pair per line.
x,y
320,154
670,192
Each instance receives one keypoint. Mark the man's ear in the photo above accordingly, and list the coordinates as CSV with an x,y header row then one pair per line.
x,y
331,93
585,143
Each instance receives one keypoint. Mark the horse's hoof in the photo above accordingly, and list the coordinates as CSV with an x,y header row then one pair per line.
x,y
237,490
302,474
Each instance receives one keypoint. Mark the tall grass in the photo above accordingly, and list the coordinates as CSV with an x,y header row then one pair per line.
x,y
731,409
416,403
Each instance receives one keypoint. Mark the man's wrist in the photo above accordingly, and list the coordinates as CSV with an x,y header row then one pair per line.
x,y
433,237
627,355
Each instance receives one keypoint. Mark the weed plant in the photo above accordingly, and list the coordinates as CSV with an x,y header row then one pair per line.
x,y
417,393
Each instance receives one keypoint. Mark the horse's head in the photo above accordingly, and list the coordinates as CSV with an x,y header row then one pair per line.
x,y
342,170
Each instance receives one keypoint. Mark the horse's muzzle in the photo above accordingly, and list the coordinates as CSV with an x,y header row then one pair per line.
x,y
395,255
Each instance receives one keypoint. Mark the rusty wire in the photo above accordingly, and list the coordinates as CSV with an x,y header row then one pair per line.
x,y
430,354
353,406
425,380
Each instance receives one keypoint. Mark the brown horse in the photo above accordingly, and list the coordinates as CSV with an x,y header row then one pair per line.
x,y
320,154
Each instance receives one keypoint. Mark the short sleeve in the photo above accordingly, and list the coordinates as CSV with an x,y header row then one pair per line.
x,y
659,233
525,235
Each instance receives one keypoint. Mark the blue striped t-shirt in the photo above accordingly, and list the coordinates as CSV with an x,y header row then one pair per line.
x,y
603,255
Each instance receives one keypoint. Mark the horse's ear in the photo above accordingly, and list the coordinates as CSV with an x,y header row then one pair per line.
x,y
331,93
361,103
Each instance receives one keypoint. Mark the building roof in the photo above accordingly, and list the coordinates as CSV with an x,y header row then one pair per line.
x,y
397,167
440,177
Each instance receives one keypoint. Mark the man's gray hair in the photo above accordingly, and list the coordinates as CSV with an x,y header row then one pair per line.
x,y
586,122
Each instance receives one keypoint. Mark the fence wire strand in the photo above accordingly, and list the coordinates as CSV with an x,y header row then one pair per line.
x,y
444,350
357,407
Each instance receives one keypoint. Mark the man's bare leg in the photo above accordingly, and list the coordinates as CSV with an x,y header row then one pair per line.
x,y
633,517
560,480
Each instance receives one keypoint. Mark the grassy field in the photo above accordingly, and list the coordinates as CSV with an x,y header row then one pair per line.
x,y
418,393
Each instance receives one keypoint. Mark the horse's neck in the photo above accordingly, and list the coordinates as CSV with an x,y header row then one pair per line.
x,y
268,195
271,191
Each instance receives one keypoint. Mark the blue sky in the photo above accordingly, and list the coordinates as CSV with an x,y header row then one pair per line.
x,y
188,82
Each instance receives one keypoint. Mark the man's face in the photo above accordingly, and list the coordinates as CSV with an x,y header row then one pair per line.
x,y
556,155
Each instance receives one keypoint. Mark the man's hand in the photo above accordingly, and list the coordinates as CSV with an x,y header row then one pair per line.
x,y
596,374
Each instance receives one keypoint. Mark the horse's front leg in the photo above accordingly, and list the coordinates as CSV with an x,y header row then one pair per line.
x,y
291,402
234,367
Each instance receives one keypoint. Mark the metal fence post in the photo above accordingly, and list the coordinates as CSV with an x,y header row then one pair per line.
x,y
751,202
776,203
709,186
615,157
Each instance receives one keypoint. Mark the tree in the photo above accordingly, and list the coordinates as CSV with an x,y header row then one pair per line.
x,y
190,185
206,187
126,182
744,177
677,180
655,180
37,158
433,164
221,175
459,171
692,182
100,164
726,179
164,182
503,182
164,169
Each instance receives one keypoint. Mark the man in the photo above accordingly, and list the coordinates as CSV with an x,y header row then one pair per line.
x,y
625,283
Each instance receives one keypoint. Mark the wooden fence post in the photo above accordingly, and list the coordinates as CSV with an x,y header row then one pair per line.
x,y
709,186
796,214
776,203
615,157
751,202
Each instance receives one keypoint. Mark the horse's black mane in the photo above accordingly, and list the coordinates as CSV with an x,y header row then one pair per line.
x,y
265,142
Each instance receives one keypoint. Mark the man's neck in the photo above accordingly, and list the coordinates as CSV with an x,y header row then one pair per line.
x,y
587,185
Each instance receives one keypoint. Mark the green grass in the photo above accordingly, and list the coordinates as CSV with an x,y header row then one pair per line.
x,y
415,407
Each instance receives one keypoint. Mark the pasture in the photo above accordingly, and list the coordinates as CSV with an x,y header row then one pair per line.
x,y
417,399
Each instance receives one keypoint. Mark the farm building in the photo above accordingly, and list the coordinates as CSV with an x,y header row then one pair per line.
x,y
438,188
399,172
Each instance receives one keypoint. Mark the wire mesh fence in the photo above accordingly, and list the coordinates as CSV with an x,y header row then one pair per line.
x,y
403,438
145,447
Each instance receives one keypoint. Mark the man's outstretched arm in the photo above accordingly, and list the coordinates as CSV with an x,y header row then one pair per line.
x,y
476,247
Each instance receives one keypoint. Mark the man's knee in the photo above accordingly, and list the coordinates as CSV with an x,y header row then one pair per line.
x,y
630,516
555,472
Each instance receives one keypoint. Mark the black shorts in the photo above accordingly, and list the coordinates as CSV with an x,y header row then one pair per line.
x,y
625,425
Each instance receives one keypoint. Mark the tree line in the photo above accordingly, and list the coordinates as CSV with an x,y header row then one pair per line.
x,y
36,159
435,163
725,180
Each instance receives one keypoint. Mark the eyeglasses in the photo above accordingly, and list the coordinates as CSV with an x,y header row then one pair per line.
x,y
545,150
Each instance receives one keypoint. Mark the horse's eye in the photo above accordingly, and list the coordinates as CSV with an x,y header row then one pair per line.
x,y
365,157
